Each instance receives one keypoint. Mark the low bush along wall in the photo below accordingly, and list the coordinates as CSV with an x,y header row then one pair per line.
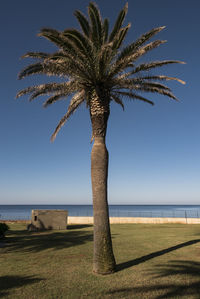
x,y
3,228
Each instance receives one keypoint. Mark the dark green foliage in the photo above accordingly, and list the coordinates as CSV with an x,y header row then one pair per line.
x,y
3,228
119,22
83,22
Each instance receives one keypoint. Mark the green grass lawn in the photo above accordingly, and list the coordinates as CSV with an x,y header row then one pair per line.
x,y
153,261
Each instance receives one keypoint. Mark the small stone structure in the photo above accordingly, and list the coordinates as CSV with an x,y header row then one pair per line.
x,y
48,219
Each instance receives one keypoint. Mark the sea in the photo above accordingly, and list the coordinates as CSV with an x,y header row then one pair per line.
x,y
23,212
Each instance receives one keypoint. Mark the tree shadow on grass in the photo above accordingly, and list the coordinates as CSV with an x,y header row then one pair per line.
x,y
147,257
78,226
11,281
36,241
189,269
186,282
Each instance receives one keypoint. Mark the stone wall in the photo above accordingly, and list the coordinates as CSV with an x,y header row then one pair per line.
x,y
49,219
89,220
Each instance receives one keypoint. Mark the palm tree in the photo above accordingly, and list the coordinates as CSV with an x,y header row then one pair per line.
x,y
97,69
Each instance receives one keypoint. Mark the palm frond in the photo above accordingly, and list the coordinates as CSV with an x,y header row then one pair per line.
x,y
130,49
97,15
119,22
161,78
65,88
57,65
54,36
156,90
83,22
96,24
117,100
137,83
117,42
44,89
25,91
39,55
121,64
76,101
105,28
81,42
143,50
66,59
83,50
104,58
132,84
67,65
53,99
134,96
36,68
51,31
62,93
67,45
154,64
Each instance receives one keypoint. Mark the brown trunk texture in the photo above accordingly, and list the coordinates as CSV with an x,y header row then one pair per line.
x,y
103,260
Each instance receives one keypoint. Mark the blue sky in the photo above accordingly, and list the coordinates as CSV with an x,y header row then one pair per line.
x,y
154,151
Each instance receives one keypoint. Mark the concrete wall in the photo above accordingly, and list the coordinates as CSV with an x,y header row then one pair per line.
x,y
89,220
49,219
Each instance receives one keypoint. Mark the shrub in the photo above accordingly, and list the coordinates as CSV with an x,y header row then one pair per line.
x,y
3,228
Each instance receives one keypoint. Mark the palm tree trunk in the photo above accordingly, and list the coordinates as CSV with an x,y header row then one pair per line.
x,y
103,258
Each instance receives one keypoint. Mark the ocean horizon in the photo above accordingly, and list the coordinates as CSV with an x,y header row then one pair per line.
x,y
23,212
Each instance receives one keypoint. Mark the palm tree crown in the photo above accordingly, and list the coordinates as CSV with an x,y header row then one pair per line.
x,y
96,68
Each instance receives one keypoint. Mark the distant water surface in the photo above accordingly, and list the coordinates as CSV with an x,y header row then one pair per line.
x,y
14,212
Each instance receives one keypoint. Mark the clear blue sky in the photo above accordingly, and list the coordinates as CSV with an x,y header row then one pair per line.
x,y
154,151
